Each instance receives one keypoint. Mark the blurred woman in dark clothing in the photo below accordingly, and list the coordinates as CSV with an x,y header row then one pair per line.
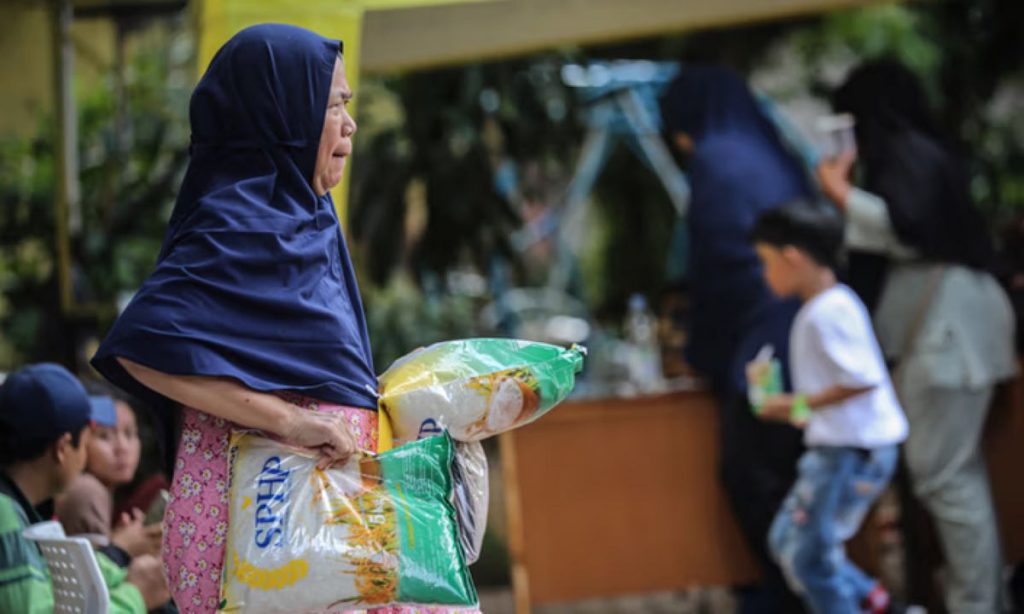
x,y
738,169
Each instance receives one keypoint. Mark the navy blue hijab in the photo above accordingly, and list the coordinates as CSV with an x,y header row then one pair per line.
x,y
253,281
739,170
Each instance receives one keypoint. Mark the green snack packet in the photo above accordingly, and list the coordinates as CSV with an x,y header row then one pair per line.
x,y
764,380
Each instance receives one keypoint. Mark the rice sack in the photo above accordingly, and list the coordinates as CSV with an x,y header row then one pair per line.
x,y
379,531
476,388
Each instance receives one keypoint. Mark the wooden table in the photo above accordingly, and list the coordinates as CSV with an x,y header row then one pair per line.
x,y
612,497
621,496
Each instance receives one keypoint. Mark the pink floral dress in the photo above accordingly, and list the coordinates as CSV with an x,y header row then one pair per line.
x,y
196,521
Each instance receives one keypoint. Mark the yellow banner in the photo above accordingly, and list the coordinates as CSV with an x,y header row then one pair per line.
x,y
371,5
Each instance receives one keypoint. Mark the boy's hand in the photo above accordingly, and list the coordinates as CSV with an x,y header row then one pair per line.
x,y
147,574
777,408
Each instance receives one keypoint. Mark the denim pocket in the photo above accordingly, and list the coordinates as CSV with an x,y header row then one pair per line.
x,y
869,478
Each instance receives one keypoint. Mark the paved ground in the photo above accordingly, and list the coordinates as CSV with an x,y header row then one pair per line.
x,y
703,601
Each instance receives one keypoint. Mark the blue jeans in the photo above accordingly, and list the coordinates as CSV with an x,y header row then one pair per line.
x,y
834,490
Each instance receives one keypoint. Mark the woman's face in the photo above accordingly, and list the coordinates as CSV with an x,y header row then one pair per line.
x,y
336,138
114,451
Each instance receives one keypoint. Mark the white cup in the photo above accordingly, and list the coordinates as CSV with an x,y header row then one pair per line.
x,y
835,135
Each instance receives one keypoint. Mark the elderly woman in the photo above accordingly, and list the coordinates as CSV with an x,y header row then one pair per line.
x,y
738,169
252,318
920,251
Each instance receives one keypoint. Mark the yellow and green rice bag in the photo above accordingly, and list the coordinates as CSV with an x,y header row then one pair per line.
x,y
379,531
476,388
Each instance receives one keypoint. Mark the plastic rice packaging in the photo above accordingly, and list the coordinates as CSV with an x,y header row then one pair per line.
x,y
472,497
379,531
476,388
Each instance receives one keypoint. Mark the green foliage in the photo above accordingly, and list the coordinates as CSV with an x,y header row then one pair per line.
x,y
970,60
433,146
401,318
632,220
884,31
129,172
451,132
441,126
448,130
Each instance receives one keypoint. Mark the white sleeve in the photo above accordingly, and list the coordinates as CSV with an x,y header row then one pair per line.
x,y
846,345
869,228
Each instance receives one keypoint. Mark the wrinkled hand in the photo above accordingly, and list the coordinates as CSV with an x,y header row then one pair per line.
x,y
325,433
147,575
777,408
834,177
135,538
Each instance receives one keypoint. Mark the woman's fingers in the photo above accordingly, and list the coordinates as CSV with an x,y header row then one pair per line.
x,y
328,434
833,175
846,160
136,517
339,444
155,536
336,435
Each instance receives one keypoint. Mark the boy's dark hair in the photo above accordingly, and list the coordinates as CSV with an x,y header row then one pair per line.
x,y
39,403
15,449
814,230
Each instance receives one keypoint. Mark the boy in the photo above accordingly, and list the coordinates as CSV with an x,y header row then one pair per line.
x,y
45,425
845,402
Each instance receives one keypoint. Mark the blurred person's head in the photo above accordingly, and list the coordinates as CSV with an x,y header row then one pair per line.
x,y
703,101
46,419
797,244
884,96
911,166
114,451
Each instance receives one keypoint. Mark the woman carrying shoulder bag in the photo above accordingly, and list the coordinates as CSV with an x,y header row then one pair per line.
x,y
920,254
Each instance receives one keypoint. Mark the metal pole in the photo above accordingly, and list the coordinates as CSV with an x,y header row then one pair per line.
x,y
68,211
653,146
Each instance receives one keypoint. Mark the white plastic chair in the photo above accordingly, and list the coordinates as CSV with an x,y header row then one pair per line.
x,y
78,586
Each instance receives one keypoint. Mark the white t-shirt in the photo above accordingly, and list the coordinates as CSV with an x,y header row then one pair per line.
x,y
832,344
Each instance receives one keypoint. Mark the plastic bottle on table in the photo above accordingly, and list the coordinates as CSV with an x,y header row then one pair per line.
x,y
645,355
